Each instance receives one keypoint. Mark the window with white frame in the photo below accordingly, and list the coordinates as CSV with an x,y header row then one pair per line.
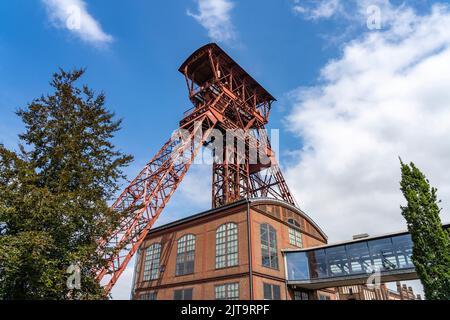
x,y
271,292
185,255
228,291
183,294
148,296
295,237
300,295
269,252
151,262
227,245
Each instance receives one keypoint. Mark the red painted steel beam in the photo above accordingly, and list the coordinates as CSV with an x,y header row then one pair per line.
x,y
225,97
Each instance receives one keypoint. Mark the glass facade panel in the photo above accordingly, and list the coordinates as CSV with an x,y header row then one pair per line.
x,y
382,253
318,264
297,266
403,250
387,254
359,257
337,261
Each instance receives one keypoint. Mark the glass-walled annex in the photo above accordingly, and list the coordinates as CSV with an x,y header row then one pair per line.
x,y
362,257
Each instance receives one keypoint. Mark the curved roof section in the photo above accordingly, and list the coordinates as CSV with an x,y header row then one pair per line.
x,y
292,208
239,203
200,72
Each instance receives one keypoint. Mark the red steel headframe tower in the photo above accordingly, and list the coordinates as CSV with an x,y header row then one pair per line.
x,y
225,99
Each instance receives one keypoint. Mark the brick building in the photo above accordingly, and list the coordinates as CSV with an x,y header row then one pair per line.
x,y
231,252
362,292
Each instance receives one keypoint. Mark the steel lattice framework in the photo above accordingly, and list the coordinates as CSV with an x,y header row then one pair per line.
x,y
226,99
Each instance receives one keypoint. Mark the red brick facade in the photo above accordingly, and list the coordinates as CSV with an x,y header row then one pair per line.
x,y
255,281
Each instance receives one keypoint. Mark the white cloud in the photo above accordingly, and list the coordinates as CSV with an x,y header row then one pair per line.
x,y
357,11
74,16
387,96
315,10
215,17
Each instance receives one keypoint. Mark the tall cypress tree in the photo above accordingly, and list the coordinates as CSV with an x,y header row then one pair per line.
x,y
431,251
54,193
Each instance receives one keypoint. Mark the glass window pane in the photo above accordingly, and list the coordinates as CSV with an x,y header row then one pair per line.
x,y
276,292
403,250
382,253
185,255
274,260
359,257
148,296
233,291
271,292
267,292
188,294
226,245
337,262
295,237
220,292
227,291
178,295
269,252
151,262
317,264
297,266
184,294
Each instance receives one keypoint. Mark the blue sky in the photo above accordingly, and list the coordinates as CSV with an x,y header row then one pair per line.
x,y
351,99
138,70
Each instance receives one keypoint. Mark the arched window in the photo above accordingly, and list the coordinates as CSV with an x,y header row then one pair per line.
x,y
151,262
185,255
295,236
227,245
269,246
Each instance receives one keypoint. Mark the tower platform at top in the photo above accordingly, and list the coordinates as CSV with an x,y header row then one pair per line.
x,y
210,67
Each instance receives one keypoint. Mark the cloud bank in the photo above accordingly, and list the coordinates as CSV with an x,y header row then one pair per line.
x,y
386,96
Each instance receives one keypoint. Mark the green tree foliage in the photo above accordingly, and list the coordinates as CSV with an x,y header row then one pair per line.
x,y
54,193
431,251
